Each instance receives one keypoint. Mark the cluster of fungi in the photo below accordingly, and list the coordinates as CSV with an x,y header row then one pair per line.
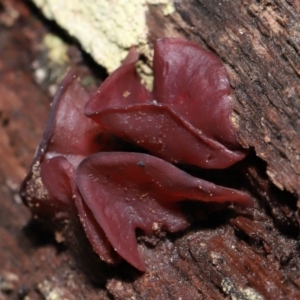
x,y
82,167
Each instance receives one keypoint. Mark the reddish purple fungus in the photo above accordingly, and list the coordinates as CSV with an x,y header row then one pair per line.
x,y
80,168
126,191
189,100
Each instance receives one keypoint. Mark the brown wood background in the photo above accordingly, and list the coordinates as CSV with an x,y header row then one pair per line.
x,y
224,255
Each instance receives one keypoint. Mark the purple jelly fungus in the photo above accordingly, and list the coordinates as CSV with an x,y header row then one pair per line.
x,y
81,170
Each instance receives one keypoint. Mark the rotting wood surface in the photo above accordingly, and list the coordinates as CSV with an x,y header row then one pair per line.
x,y
224,255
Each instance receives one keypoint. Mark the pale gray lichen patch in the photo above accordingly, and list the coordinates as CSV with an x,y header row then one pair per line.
x,y
167,6
35,188
234,118
105,29
236,293
51,291
57,49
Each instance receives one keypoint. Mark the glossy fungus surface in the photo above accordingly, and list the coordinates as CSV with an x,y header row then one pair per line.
x,y
81,166
190,100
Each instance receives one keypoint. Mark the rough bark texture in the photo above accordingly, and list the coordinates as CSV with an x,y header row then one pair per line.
x,y
259,41
224,254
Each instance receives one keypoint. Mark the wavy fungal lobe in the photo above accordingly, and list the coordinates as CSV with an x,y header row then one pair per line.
x,y
112,158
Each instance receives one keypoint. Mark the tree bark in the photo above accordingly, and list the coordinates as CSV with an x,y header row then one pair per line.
x,y
225,254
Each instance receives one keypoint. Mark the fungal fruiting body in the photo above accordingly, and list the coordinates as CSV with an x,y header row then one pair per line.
x,y
81,167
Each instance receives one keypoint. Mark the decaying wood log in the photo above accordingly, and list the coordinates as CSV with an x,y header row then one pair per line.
x,y
259,41
224,254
